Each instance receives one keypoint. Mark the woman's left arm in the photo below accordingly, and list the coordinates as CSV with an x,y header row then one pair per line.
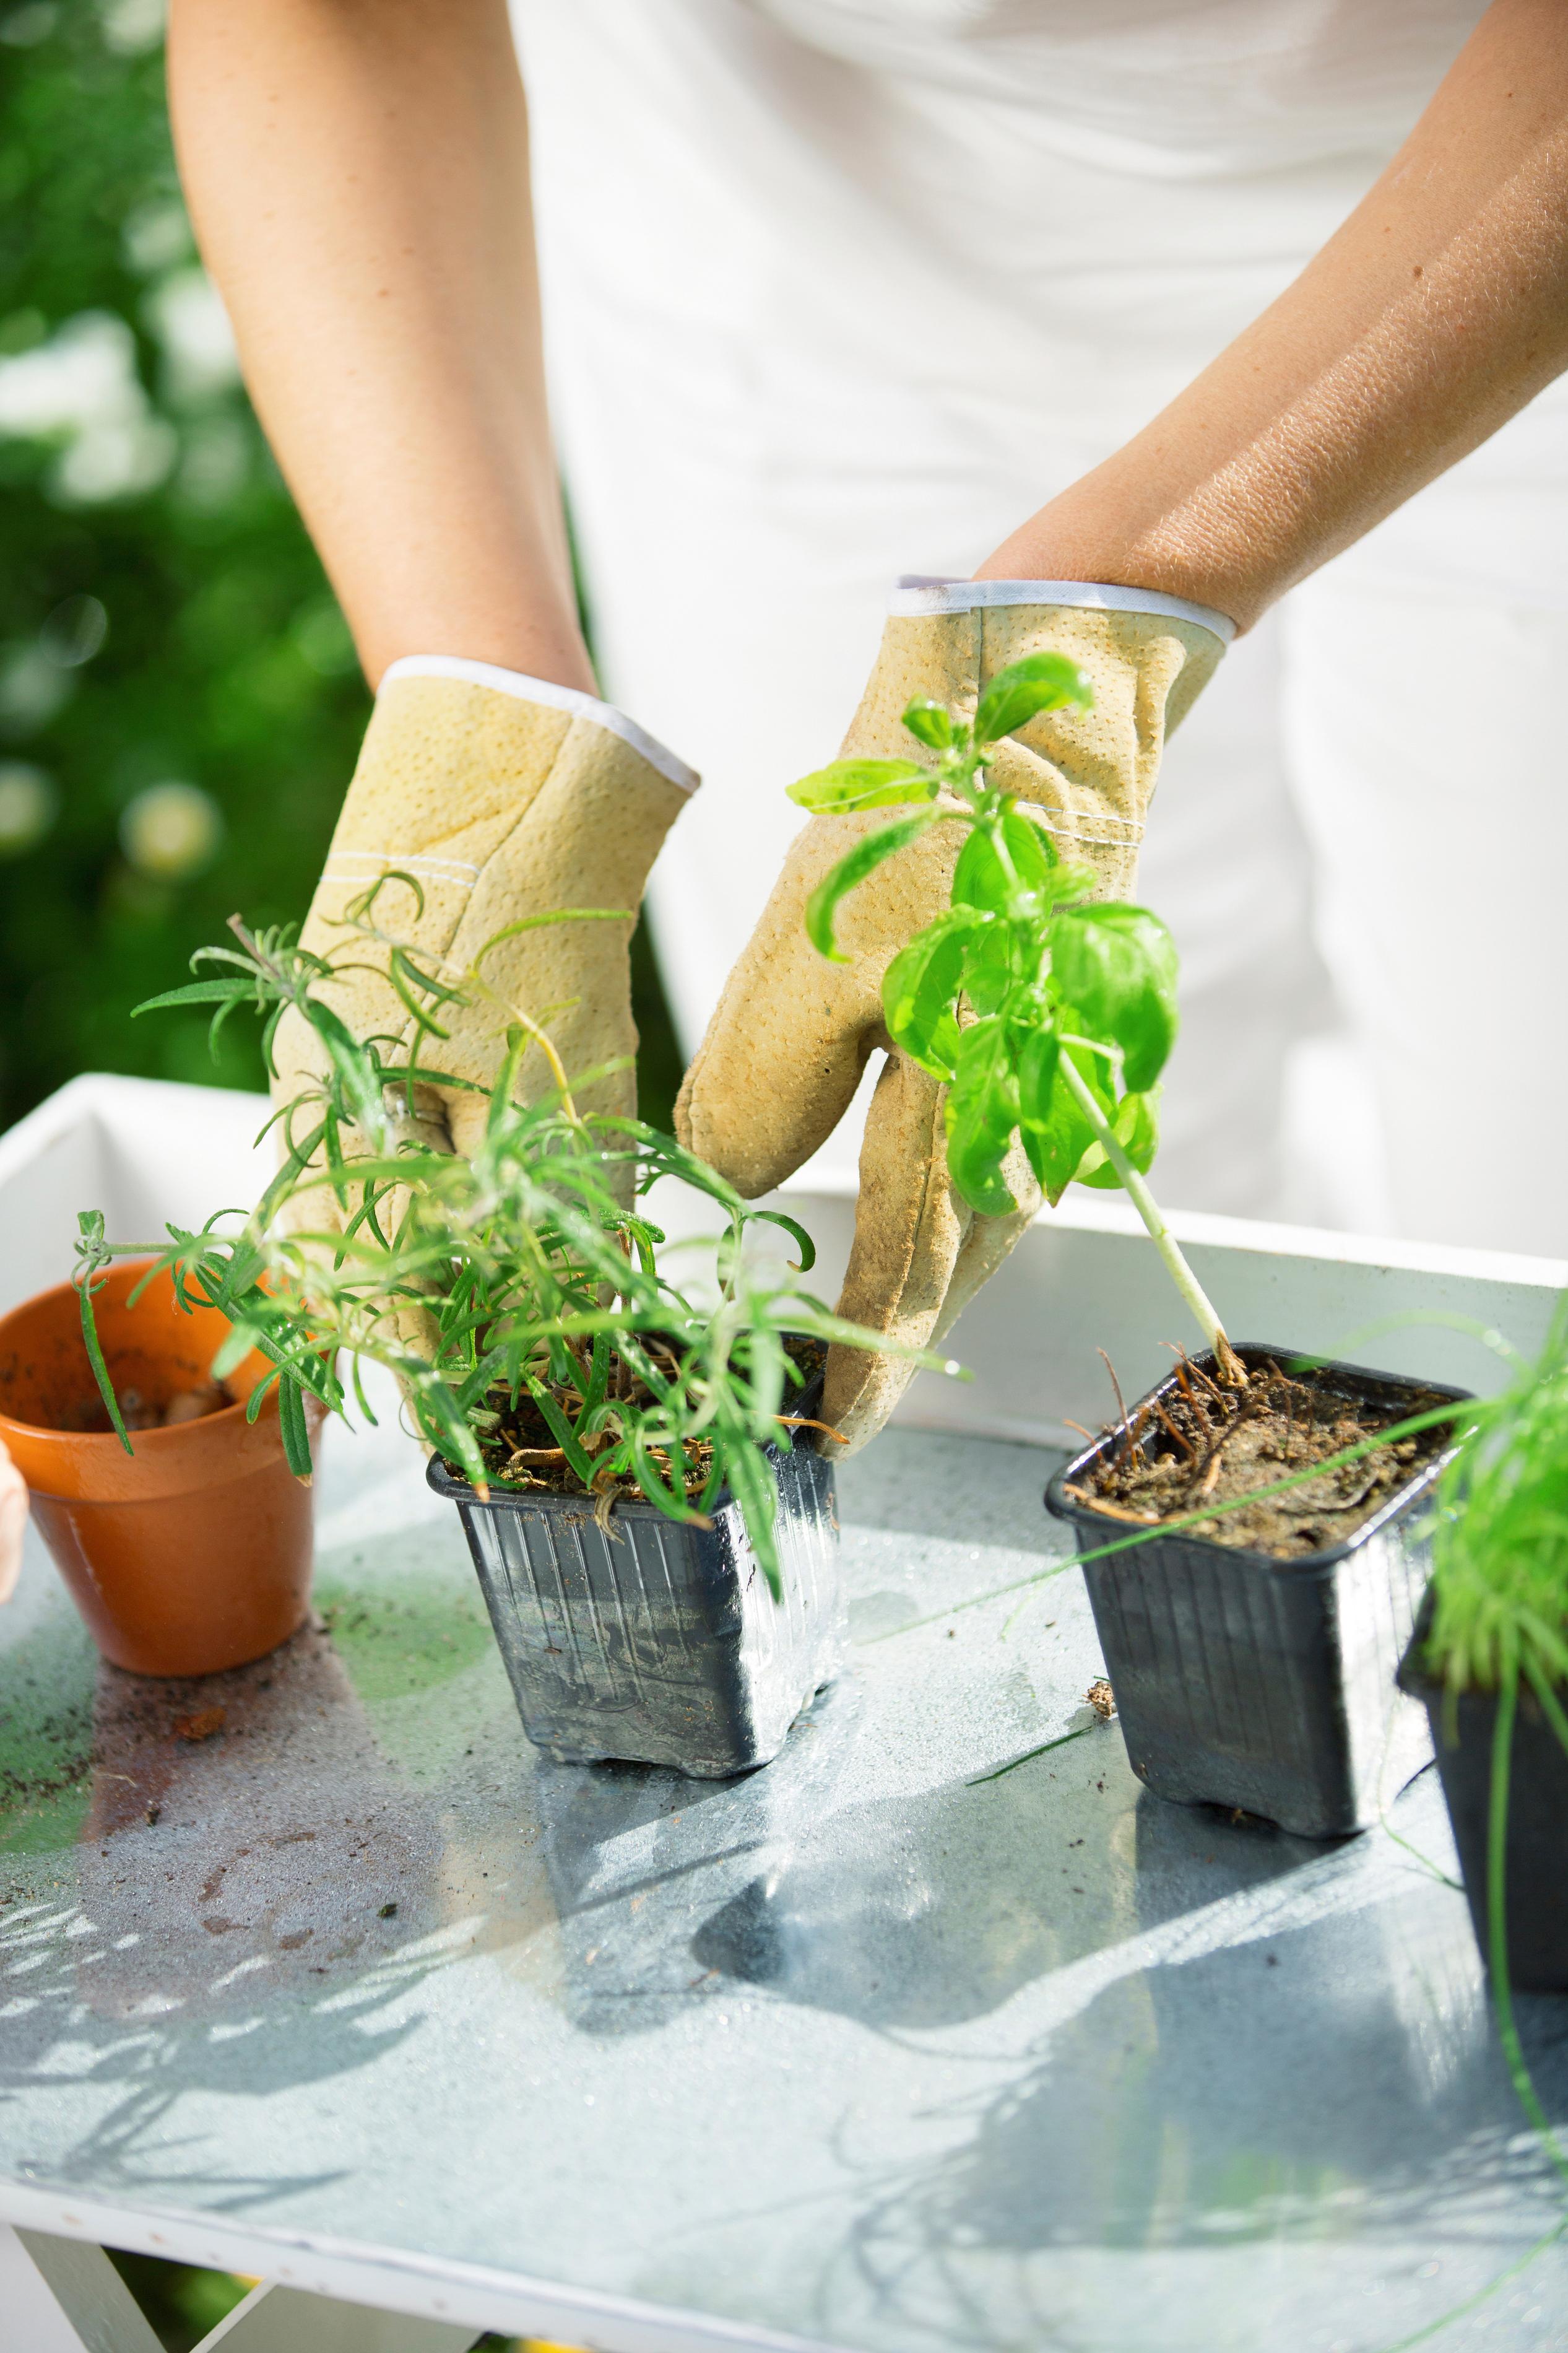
x,y
1435,313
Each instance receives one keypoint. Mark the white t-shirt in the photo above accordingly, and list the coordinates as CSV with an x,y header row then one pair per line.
x,y
1077,200
1166,88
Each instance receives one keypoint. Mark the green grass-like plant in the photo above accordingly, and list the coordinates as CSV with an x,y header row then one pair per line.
x,y
1500,1547
524,1272
1048,1017
1500,1616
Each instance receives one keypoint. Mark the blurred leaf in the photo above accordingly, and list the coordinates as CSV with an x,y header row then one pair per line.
x,y
930,722
850,785
1038,683
978,879
1137,1129
863,860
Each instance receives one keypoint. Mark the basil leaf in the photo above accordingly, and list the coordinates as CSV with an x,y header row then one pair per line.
x,y
982,1112
850,785
1035,1054
863,860
921,985
1137,1127
1118,966
988,974
1016,696
1055,1134
930,721
978,879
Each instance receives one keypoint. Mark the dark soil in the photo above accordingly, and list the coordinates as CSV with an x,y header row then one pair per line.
x,y
141,1413
521,1452
1199,1444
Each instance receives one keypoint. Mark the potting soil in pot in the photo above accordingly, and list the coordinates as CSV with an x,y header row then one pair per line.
x,y
140,1411
1201,1443
521,1450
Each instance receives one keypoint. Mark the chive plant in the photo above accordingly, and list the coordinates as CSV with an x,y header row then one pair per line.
x,y
1048,1017
1499,1611
518,1275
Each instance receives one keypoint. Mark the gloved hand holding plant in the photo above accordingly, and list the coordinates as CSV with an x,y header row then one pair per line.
x,y
1048,718
485,806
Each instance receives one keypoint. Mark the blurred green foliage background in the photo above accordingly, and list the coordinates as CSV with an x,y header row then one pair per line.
x,y
180,706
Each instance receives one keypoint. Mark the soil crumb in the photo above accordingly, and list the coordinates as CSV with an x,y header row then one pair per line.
x,y
521,1451
1195,1443
202,1725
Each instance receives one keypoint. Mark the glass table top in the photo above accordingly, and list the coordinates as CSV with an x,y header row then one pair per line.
x,y
882,2046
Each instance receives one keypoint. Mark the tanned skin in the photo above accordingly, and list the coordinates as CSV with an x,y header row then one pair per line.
x,y
358,173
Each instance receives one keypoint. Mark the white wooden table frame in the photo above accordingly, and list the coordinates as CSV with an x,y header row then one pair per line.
x,y
64,2295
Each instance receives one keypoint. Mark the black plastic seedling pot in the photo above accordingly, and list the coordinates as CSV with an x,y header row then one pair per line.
x,y
652,1641
1535,1848
1245,1680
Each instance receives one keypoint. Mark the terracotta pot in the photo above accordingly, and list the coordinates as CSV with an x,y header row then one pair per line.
x,y
191,1554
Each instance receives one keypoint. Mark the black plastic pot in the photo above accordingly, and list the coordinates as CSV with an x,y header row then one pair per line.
x,y
651,1640
1241,1680
1535,1853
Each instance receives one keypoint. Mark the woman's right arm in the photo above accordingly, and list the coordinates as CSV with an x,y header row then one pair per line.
x,y
357,171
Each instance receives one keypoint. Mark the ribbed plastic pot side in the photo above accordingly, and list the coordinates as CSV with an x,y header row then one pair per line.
x,y
1535,1849
192,1553
1242,1679
652,1641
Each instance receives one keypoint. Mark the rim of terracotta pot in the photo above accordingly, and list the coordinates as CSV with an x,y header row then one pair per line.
x,y
92,1466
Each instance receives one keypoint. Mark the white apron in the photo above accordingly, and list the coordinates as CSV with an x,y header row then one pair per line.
x,y
840,288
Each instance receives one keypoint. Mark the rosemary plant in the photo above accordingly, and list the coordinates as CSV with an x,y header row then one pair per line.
x,y
1048,1017
518,1279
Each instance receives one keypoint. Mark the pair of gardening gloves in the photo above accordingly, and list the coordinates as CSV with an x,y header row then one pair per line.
x,y
487,798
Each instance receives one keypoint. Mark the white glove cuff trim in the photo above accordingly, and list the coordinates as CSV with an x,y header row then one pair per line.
x,y
920,592
553,698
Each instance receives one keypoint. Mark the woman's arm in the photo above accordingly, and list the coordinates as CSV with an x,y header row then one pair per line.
x,y
358,174
1439,308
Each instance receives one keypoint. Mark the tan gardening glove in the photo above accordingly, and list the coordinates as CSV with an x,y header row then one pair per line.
x,y
786,1049
502,797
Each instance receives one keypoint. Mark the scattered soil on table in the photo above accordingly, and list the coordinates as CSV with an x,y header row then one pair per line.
x,y
522,1452
1198,1444
201,1726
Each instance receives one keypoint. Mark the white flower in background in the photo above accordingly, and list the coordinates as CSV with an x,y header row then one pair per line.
x,y
32,687
82,385
185,313
130,26
171,830
84,376
30,802
156,235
